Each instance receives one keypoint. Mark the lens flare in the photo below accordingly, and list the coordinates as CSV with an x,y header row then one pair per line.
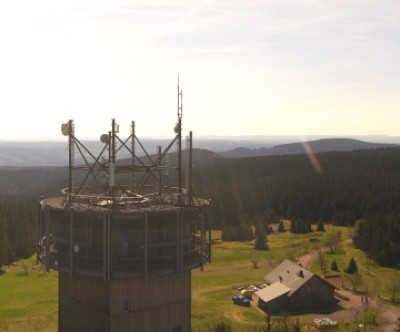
x,y
311,155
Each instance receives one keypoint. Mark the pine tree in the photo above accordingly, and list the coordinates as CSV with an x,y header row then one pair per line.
x,y
261,241
321,226
308,227
225,231
281,228
245,232
334,266
4,245
299,226
267,229
294,226
352,268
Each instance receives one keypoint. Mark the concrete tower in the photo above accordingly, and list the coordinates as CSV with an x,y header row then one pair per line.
x,y
125,236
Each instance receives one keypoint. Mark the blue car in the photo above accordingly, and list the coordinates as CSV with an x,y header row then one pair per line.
x,y
241,300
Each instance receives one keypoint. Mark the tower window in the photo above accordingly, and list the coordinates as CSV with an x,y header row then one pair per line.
x,y
125,244
126,306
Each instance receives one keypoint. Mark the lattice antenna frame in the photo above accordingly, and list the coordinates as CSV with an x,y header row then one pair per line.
x,y
98,176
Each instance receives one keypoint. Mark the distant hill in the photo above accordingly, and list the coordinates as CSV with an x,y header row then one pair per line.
x,y
21,181
329,145
17,181
55,153
317,146
27,154
200,157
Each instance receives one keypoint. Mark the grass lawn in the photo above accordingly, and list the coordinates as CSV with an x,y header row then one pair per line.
x,y
28,302
213,307
374,277
282,245
232,266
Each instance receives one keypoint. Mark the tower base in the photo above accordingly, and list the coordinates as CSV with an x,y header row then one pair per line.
x,y
93,305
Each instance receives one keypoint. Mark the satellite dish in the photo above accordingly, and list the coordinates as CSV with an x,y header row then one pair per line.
x,y
65,129
104,138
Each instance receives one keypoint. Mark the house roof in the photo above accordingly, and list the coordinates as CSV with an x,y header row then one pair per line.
x,y
288,273
286,279
273,291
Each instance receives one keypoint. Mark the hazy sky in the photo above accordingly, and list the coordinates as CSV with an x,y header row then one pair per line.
x,y
254,67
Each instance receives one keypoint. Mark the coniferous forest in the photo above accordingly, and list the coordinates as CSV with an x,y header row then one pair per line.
x,y
17,230
360,188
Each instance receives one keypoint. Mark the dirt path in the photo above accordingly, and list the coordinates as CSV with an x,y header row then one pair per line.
x,y
306,259
236,266
389,313
201,291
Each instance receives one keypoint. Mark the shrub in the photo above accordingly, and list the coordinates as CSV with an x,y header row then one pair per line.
x,y
255,263
24,266
223,327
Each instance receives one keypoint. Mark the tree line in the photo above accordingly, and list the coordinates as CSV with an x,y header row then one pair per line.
x,y
359,185
379,236
352,185
17,230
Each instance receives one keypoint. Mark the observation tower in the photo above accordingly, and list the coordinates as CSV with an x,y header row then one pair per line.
x,y
125,235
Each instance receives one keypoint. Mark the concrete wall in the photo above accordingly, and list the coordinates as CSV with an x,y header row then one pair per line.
x,y
157,305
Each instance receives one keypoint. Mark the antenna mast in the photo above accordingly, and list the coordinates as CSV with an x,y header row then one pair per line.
x,y
67,129
179,132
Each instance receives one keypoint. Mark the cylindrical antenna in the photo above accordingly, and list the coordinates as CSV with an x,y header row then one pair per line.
x,y
159,172
190,166
133,156
113,140
112,163
179,101
179,132
187,163
70,159
109,162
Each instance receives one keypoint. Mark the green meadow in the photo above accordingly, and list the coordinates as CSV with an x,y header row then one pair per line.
x,y
28,301
237,263
375,279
